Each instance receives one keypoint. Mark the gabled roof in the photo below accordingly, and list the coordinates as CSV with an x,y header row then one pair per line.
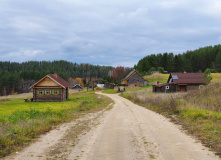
x,y
131,75
186,78
56,79
77,85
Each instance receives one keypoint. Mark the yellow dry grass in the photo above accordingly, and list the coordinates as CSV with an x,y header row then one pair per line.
x,y
156,76
199,111
216,76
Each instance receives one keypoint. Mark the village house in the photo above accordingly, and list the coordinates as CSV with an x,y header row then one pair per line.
x,y
77,87
50,88
134,79
181,82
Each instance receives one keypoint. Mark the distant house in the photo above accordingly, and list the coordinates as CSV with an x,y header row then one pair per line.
x,y
153,72
108,85
50,88
181,82
77,87
134,79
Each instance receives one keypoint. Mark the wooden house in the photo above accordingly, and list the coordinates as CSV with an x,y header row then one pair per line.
x,y
134,79
77,87
50,88
180,82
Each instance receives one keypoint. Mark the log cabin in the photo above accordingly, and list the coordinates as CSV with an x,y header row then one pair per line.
x,y
134,79
50,88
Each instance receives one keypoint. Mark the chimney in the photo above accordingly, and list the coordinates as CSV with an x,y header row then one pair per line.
x,y
184,72
55,75
158,82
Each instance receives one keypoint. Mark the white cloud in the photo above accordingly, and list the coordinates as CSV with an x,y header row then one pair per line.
x,y
22,55
27,27
172,4
212,9
75,2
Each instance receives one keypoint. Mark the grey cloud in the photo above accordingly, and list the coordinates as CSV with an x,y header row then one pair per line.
x,y
105,32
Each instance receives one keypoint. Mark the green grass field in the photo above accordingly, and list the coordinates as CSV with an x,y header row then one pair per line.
x,y
21,121
157,77
110,91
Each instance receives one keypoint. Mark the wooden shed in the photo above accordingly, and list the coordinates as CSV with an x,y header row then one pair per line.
x,y
50,88
134,79
181,82
77,87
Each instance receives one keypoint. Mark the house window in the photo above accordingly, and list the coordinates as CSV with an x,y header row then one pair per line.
x,y
47,92
201,86
40,92
56,92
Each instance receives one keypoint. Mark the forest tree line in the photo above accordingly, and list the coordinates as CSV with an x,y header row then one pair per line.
x,y
18,77
191,61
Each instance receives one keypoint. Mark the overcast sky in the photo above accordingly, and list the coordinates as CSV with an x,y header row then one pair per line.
x,y
105,32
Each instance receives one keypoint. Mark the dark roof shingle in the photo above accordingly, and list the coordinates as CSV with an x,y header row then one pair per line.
x,y
131,74
56,79
59,80
188,78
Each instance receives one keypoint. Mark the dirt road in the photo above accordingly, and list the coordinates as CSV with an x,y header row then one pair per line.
x,y
126,132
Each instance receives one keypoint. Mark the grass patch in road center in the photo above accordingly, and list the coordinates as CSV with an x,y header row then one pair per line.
x,y
21,121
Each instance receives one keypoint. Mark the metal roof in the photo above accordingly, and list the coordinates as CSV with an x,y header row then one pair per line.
x,y
187,78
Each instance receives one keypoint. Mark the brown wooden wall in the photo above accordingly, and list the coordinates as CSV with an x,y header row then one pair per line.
x,y
134,79
61,96
175,88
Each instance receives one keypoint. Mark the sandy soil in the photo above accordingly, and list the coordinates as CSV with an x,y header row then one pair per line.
x,y
126,132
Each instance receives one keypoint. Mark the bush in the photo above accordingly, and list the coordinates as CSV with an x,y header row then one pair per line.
x,y
98,88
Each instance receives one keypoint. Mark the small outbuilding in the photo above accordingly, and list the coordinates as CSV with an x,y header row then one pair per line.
x,y
77,87
181,82
50,88
134,79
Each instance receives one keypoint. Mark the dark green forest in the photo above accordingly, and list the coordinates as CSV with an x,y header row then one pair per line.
x,y
18,77
191,61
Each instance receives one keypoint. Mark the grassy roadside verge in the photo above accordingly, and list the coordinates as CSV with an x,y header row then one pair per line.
x,y
21,122
113,91
194,111
110,91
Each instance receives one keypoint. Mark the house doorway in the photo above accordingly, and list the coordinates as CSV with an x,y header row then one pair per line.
x,y
182,88
138,83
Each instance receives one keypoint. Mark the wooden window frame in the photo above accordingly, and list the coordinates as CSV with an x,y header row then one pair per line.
x,y
56,92
40,92
47,92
